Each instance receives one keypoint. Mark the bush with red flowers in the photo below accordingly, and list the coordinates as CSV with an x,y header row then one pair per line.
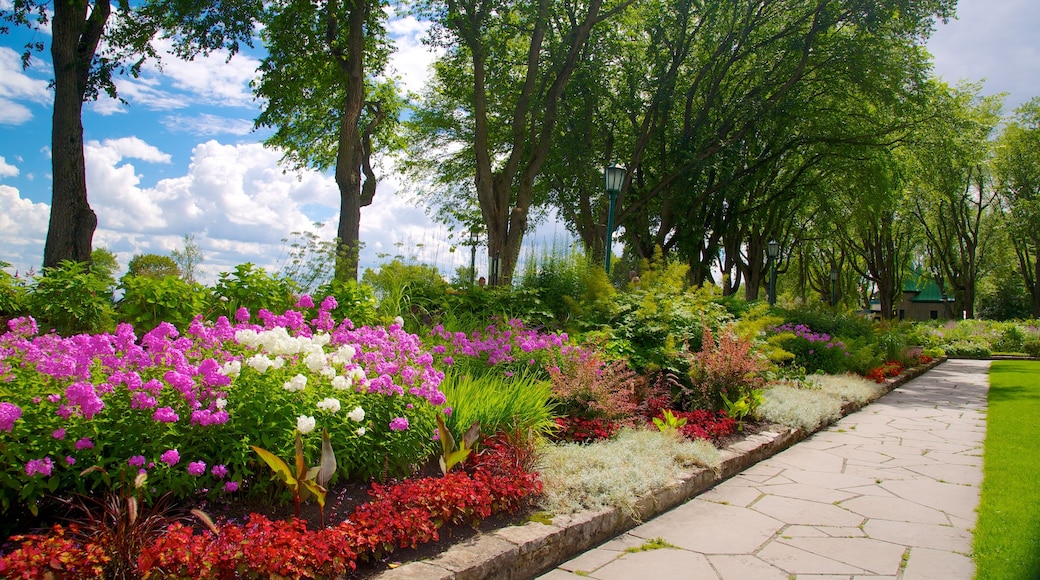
x,y
702,424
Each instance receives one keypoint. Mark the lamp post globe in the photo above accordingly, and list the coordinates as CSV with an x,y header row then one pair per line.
x,y
613,177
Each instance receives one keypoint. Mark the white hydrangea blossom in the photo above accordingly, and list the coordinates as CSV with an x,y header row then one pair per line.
x,y
247,337
231,368
343,354
329,404
259,363
305,424
297,383
360,431
315,361
357,415
327,372
321,339
278,362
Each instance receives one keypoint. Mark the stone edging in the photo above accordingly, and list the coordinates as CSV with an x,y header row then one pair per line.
x,y
519,552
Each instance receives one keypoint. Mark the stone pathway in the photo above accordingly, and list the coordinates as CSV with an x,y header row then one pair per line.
x,y
887,492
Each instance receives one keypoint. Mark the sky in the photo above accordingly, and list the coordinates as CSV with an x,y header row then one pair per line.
x,y
181,157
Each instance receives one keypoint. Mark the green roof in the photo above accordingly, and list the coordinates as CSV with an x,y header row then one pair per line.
x,y
926,289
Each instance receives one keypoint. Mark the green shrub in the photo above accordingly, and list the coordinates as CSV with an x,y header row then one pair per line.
x,y
251,288
724,369
846,325
71,299
152,265
12,294
353,301
1032,347
1012,338
499,403
968,348
148,301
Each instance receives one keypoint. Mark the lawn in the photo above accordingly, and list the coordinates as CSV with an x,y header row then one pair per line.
x,y
1007,536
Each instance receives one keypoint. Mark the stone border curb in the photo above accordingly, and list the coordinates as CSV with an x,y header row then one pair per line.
x,y
526,551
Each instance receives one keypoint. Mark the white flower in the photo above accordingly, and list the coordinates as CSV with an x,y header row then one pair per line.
x,y
321,339
344,354
231,368
305,424
259,363
328,372
220,403
340,383
399,321
329,404
315,361
360,431
297,383
279,362
357,415
248,337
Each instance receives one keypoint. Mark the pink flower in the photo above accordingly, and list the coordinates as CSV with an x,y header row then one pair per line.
x,y
242,314
135,461
9,413
84,443
305,301
170,457
39,466
231,487
58,434
219,471
196,468
399,424
70,460
165,415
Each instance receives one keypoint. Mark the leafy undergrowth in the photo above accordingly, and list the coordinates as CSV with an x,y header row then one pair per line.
x,y
403,515
1007,536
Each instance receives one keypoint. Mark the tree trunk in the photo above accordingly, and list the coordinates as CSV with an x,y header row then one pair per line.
x,y
350,155
72,222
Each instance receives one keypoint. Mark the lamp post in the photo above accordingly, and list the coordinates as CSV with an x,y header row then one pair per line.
x,y
613,176
834,286
473,239
772,250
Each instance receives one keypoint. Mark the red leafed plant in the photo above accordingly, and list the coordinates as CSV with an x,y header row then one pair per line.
x,y
885,371
400,515
702,424
588,387
580,430
724,368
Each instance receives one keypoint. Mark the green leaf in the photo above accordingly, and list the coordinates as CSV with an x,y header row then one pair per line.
x,y
279,467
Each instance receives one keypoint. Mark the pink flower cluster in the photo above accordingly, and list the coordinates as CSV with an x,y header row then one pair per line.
x,y
9,413
495,344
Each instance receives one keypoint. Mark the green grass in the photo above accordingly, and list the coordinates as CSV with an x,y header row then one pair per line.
x,y
1007,536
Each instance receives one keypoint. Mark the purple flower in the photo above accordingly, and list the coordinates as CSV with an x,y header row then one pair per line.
x,y
70,460
83,395
399,424
84,443
170,457
219,471
305,301
242,314
135,461
165,415
39,466
446,411
59,433
9,413
142,400
196,468
230,487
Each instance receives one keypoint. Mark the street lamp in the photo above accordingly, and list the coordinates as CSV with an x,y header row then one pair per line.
x,y
474,238
772,250
613,176
834,286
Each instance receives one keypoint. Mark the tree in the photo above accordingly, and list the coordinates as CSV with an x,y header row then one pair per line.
x,y
952,192
152,266
319,81
188,259
1017,166
490,114
88,48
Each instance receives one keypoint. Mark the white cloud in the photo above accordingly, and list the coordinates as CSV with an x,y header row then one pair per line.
x,y
207,125
213,79
996,41
412,59
23,229
6,169
18,86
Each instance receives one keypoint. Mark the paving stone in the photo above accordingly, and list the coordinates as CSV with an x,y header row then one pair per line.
x,y
810,513
807,492
895,509
948,538
926,564
744,567
874,556
740,494
949,498
711,528
664,563
590,561
797,561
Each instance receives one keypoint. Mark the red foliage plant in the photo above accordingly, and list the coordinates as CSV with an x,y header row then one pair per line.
x,y
578,430
727,367
885,371
702,424
400,515
588,388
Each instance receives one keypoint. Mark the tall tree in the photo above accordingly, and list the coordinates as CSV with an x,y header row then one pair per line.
x,y
88,48
494,103
1018,176
322,93
952,193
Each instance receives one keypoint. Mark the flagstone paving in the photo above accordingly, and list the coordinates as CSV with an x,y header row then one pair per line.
x,y
887,492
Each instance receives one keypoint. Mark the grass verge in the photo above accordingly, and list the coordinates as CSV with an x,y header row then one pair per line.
x,y
1007,535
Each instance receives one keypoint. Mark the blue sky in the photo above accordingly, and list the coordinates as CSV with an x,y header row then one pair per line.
x,y
182,157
